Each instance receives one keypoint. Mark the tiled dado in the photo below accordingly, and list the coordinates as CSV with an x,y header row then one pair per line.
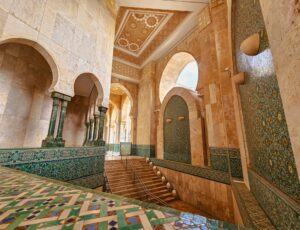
x,y
251,213
113,147
125,148
219,160
283,212
143,150
82,166
31,202
206,173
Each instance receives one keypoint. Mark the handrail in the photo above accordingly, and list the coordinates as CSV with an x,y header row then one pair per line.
x,y
146,191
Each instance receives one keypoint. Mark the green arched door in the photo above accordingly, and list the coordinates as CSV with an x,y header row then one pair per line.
x,y
177,145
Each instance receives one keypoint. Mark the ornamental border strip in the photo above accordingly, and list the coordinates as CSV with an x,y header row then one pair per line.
x,y
38,155
205,173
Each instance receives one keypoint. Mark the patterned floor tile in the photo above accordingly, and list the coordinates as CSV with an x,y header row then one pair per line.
x,y
31,202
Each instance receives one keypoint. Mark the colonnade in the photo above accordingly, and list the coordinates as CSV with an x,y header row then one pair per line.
x,y
94,127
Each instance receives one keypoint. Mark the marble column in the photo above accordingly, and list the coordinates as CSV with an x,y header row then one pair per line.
x,y
91,131
96,126
59,139
50,141
100,141
87,131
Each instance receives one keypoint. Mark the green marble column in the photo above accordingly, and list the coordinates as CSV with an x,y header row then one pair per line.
x,y
59,140
87,132
91,131
50,141
96,126
100,141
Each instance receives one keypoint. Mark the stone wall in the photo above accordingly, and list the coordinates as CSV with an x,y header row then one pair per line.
x,y
212,197
74,37
209,45
74,127
25,103
146,99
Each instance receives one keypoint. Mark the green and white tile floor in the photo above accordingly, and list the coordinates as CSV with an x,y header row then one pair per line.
x,y
31,202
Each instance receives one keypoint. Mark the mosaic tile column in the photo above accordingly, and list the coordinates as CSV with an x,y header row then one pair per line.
x,y
87,131
50,141
96,126
59,140
100,141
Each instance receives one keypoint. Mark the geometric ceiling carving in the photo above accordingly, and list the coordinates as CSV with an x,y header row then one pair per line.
x,y
140,31
138,28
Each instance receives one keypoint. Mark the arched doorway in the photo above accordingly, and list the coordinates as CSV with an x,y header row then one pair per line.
x,y
25,107
82,118
177,145
125,129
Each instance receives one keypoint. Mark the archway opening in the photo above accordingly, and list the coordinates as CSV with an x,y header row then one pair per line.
x,y
81,111
25,107
125,132
122,103
181,71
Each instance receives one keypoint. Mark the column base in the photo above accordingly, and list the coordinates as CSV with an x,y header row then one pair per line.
x,y
60,142
49,142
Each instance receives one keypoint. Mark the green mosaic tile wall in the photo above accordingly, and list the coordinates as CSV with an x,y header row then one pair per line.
x,y
265,125
113,147
82,166
206,173
177,145
143,150
125,148
219,160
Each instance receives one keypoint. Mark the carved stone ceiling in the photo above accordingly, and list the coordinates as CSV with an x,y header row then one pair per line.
x,y
145,26
140,31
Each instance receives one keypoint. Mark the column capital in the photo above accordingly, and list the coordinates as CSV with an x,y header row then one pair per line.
x,y
102,109
61,96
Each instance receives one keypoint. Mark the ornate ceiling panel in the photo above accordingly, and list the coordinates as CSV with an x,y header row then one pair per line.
x,y
140,31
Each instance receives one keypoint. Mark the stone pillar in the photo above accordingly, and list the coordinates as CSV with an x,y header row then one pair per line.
x,y
59,140
132,131
87,132
100,141
96,126
50,141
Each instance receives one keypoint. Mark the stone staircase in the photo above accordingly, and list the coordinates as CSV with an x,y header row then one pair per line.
x,y
122,182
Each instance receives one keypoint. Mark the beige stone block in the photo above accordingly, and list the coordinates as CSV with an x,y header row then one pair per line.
x,y
3,18
48,22
63,32
6,4
68,8
16,28
30,12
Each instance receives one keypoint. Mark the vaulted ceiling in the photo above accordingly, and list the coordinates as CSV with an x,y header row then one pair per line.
x,y
146,29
